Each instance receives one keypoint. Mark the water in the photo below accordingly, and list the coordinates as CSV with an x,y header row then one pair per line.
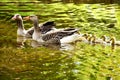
x,y
25,59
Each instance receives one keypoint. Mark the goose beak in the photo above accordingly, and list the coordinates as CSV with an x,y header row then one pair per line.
x,y
13,18
26,18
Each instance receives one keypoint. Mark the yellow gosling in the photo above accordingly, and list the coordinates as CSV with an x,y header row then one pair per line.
x,y
89,37
98,40
114,42
104,38
86,38
83,37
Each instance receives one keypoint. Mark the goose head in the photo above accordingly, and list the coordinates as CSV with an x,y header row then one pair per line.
x,y
17,17
31,17
34,19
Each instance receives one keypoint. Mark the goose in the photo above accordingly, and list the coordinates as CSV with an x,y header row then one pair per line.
x,y
21,30
44,27
61,36
114,42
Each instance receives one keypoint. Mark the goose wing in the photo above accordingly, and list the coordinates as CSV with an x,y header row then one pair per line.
x,y
47,26
54,40
59,34
30,30
70,29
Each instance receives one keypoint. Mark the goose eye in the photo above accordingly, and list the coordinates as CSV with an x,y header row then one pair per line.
x,y
31,16
17,15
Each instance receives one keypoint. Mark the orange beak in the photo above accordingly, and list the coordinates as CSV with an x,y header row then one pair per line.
x,y
26,18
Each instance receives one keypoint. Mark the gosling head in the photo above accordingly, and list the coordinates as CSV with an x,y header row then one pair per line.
x,y
103,37
85,35
94,38
112,41
89,37
17,17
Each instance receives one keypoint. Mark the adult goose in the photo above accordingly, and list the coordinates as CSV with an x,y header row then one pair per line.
x,y
62,36
21,30
44,27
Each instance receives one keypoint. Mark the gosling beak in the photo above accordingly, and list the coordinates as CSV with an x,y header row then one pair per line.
x,y
26,18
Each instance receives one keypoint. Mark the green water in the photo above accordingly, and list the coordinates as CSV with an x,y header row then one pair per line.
x,y
22,59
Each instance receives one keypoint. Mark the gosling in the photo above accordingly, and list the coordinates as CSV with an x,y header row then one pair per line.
x,y
114,42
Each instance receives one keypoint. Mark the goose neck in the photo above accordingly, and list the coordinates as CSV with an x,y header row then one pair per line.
x,y
20,24
36,25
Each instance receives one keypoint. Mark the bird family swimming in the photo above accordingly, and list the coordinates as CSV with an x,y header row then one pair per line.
x,y
47,33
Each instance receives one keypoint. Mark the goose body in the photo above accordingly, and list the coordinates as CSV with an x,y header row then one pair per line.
x,y
61,36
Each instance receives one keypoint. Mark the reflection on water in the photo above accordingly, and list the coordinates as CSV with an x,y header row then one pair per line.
x,y
22,41
67,47
35,44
